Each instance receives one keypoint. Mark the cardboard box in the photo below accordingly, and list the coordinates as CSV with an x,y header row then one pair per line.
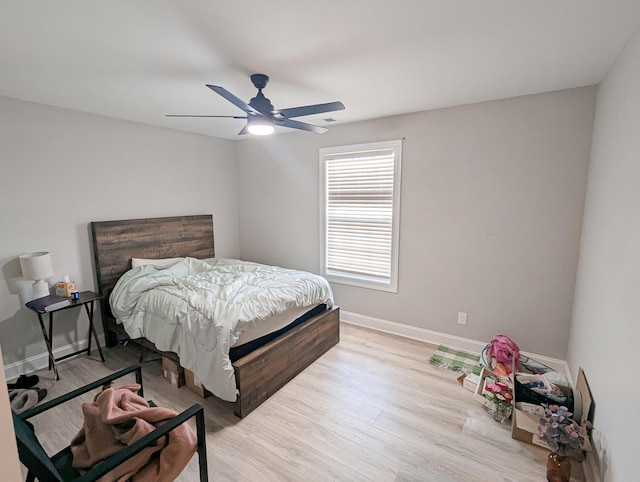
x,y
469,381
478,395
173,372
194,384
524,421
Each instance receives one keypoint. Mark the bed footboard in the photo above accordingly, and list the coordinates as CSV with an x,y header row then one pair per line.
x,y
264,371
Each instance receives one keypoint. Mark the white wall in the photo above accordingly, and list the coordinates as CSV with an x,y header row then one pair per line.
x,y
605,330
61,169
492,200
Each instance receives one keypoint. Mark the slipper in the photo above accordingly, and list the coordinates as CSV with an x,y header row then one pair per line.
x,y
23,399
24,381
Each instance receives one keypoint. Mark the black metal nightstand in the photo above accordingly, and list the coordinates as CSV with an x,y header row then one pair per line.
x,y
44,305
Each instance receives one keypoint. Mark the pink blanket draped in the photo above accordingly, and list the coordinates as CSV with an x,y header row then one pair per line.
x,y
503,349
117,418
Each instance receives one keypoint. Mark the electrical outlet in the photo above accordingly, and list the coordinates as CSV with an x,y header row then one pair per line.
x,y
462,318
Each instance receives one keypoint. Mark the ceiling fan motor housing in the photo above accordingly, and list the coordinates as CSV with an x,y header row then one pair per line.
x,y
261,104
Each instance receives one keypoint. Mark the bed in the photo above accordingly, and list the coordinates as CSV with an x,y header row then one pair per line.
x,y
260,372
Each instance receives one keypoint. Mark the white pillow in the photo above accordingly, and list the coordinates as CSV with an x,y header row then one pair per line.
x,y
159,263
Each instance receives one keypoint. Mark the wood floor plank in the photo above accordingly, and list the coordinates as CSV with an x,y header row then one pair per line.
x,y
370,409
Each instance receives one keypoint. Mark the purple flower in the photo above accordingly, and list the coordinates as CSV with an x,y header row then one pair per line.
x,y
559,431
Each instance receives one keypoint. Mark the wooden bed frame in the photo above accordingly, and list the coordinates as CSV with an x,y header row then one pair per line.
x,y
260,373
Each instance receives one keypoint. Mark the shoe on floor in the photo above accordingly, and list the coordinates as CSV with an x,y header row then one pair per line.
x,y
23,399
24,381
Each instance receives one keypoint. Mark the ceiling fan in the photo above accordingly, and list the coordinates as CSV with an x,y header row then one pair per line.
x,y
262,117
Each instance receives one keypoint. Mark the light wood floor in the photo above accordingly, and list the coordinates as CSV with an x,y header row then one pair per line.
x,y
372,408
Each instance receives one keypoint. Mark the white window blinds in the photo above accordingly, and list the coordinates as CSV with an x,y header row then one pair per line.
x,y
360,214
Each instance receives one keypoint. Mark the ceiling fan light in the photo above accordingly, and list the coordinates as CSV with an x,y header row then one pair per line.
x,y
260,130
260,127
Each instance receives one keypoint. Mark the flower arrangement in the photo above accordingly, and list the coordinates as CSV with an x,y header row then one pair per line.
x,y
498,392
560,431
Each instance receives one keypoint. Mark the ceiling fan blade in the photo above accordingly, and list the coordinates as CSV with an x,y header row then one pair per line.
x,y
195,115
233,99
311,109
300,125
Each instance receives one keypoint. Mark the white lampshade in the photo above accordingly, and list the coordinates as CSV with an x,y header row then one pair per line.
x,y
37,267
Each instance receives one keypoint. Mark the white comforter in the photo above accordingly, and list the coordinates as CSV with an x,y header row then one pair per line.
x,y
198,309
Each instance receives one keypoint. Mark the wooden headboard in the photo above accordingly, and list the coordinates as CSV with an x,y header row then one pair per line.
x,y
116,242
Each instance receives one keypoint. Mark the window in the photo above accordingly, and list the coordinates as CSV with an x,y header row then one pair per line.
x,y
360,214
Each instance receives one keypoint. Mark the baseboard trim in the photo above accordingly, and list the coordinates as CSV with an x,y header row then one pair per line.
x,y
436,338
41,361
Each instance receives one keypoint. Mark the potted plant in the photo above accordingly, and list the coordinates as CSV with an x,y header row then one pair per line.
x,y
564,436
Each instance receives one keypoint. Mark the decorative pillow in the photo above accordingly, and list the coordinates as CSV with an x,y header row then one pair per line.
x,y
160,263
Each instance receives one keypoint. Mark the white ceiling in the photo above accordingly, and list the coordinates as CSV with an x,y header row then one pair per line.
x,y
142,59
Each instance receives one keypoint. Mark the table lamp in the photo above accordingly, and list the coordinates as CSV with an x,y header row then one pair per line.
x,y
37,267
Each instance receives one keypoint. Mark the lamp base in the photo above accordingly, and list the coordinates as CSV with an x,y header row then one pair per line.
x,y
40,289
